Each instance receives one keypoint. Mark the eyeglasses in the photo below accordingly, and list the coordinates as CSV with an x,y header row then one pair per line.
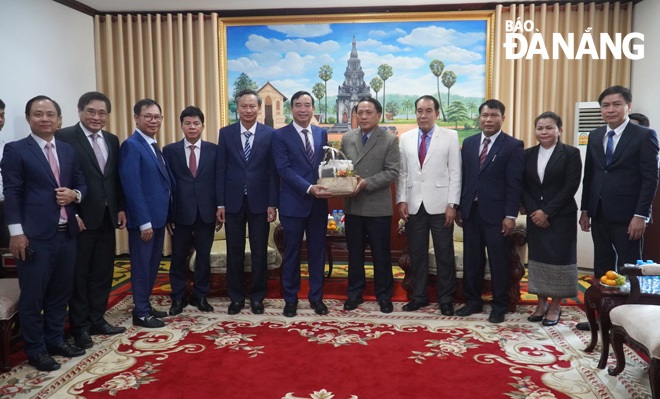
x,y
93,112
150,118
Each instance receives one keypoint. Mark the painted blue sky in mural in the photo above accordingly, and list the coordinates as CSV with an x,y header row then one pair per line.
x,y
289,56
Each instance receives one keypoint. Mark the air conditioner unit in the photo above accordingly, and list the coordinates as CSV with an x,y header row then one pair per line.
x,y
587,119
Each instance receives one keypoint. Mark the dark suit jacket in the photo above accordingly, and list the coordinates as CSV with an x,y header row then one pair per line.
x,y
148,184
193,194
556,195
295,170
498,185
103,187
627,186
29,187
233,173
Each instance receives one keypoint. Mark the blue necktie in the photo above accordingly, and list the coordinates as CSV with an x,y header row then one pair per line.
x,y
364,139
247,145
308,148
610,147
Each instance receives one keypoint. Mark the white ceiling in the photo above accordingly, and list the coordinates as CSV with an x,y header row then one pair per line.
x,y
209,5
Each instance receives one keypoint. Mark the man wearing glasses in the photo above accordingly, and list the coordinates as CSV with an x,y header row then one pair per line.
x,y
148,187
99,214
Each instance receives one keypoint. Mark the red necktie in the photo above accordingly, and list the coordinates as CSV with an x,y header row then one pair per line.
x,y
422,149
484,152
192,161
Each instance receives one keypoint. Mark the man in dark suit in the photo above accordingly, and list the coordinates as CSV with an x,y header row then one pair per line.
x,y
192,162
375,156
619,185
493,167
42,182
148,188
298,151
4,232
98,216
246,193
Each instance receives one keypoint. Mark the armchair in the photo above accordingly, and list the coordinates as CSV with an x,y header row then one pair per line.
x,y
638,325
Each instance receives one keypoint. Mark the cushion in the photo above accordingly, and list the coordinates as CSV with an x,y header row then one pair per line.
x,y
458,255
642,323
9,293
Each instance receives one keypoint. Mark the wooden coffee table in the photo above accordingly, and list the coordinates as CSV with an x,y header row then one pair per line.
x,y
599,300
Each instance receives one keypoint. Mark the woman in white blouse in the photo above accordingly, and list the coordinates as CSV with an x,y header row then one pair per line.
x,y
552,177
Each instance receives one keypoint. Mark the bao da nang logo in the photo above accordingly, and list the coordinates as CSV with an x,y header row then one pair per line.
x,y
571,46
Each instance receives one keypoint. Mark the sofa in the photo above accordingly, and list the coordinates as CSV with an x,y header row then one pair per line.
x,y
517,257
219,261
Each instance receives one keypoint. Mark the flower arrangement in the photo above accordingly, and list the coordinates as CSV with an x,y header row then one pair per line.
x,y
345,173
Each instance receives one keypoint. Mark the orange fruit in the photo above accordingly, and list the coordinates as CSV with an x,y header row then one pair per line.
x,y
611,283
611,275
603,279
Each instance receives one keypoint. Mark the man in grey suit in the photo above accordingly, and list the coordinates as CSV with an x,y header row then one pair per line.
x,y
99,214
375,156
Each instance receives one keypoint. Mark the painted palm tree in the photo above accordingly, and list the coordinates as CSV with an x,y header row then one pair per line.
x,y
385,72
325,73
471,106
448,80
437,67
407,105
376,84
319,92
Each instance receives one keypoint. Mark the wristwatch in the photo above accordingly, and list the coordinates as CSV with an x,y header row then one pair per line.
x,y
455,206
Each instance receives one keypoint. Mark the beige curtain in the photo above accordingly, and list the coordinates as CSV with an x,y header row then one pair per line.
x,y
173,59
530,87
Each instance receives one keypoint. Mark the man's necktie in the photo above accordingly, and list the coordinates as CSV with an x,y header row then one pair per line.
x,y
97,151
159,154
364,139
422,149
308,147
192,161
248,149
484,153
56,172
609,151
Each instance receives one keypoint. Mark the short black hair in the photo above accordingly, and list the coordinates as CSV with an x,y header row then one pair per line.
x,y
299,94
376,103
191,111
549,115
2,104
492,104
624,91
248,93
436,103
92,96
28,106
145,102
640,118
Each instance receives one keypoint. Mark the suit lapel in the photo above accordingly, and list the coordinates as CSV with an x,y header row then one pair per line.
x,y
600,149
41,158
373,139
533,163
555,161
204,155
149,149
625,138
492,152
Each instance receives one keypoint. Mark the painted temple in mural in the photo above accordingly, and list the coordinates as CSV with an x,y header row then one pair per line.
x,y
272,108
350,92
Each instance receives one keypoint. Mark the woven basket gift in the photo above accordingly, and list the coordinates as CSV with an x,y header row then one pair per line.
x,y
334,163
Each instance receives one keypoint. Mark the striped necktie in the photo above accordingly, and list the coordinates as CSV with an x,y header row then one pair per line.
x,y
247,148
308,147
609,151
484,153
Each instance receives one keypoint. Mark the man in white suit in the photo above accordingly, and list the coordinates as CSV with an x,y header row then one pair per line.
x,y
427,192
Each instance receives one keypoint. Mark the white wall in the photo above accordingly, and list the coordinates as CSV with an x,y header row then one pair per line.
x,y
45,48
645,78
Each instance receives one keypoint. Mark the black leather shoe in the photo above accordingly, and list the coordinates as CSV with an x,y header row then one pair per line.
x,y
201,303
235,307
319,308
447,309
352,303
583,326
535,318
43,362
148,322
496,317
385,306
414,305
257,306
107,329
468,310
177,306
157,313
64,349
83,340
290,309
547,322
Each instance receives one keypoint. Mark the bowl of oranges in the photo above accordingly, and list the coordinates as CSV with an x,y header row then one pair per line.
x,y
613,279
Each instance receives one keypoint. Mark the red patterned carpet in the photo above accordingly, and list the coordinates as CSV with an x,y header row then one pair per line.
x,y
359,354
